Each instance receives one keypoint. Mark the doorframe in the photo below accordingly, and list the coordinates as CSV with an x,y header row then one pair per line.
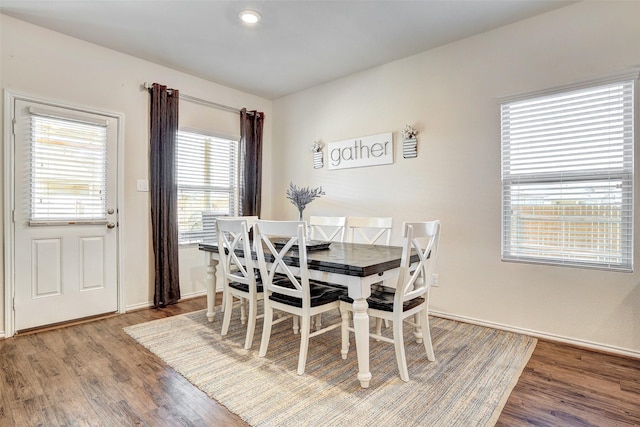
x,y
9,184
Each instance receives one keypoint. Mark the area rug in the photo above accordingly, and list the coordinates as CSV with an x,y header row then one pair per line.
x,y
475,370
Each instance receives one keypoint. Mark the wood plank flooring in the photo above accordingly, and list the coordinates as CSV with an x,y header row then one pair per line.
x,y
564,385
94,374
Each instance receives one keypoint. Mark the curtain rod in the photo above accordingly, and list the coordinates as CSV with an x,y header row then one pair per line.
x,y
200,101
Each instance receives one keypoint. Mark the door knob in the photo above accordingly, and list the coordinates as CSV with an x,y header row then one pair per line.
x,y
110,225
110,211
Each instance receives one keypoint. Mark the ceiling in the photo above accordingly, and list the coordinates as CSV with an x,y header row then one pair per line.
x,y
296,45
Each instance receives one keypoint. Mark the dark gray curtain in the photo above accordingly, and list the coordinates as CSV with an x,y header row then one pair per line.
x,y
164,208
251,123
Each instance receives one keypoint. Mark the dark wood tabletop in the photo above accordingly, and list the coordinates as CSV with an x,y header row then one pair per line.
x,y
351,259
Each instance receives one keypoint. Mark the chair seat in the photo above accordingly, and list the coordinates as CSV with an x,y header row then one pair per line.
x,y
244,287
320,294
382,299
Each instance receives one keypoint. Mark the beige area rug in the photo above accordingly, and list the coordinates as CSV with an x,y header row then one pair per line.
x,y
475,370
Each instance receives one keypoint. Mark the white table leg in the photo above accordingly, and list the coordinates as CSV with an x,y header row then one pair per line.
x,y
210,283
361,327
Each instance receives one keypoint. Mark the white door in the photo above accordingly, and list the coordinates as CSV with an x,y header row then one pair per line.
x,y
65,214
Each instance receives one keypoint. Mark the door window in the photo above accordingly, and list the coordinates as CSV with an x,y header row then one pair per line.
x,y
67,169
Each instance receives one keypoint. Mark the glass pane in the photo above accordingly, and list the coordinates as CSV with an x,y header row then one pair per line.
x,y
577,221
68,170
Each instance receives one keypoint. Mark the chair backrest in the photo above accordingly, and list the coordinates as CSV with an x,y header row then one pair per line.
x,y
209,223
234,247
372,230
423,239
251,220
328,228
291,235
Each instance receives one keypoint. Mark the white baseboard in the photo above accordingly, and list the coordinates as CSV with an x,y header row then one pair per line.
x,y
543,335
2,334
138,306
194,295
150,303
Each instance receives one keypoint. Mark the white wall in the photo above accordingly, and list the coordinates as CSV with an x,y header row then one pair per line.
x,y
451,95
49,65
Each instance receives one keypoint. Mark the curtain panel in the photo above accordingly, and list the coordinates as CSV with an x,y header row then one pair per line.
x,y
163,188
251,124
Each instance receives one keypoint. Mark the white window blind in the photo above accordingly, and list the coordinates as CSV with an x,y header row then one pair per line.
x,y
67,169
207,175
567,177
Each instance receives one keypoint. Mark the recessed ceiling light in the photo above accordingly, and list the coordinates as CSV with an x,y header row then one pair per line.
x,y
250,16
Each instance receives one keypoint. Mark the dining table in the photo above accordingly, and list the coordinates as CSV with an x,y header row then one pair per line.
x,y
355,265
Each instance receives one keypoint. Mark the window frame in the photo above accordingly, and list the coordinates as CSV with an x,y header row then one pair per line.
x,y
563,179
207,234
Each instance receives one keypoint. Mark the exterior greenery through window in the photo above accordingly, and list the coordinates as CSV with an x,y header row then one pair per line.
x,y
567,177
207,169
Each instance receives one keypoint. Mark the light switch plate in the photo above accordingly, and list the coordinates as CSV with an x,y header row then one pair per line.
x,y
434,280
142,185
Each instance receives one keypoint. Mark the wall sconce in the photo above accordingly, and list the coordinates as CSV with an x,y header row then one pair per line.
x,y
317,155
409,142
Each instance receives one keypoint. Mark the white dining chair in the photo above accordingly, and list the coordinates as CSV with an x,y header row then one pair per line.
x,y
285,291
327,228
409,301
251,220
370,230
239,272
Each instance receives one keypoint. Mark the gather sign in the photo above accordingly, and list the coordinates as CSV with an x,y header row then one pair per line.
x,y
364,151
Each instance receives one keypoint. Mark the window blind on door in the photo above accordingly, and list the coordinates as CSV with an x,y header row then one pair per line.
x,y
567,177
207,176
67,169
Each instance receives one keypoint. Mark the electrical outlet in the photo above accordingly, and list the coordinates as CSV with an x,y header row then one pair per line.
x,y
434,280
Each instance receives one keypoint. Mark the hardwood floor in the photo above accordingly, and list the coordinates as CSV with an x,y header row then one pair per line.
x,y
95,374
569,386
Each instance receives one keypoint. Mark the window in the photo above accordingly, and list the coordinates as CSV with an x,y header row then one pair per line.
x,y
207,176
567,177
67,169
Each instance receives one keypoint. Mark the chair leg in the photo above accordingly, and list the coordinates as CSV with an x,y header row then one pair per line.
x,y
426,332
398,340
345,332
296,324
386,321
379,325
227,304
304,343
251,323
243,311
224,298
266,330
417,331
